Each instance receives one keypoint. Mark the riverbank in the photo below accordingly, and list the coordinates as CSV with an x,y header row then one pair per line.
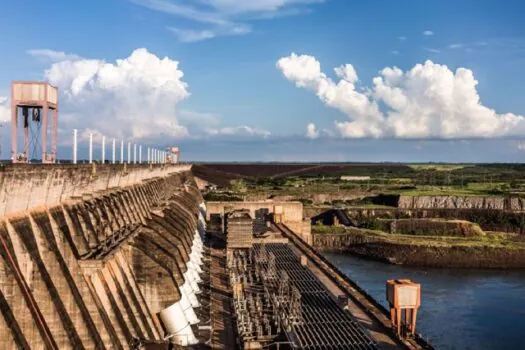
x,y
460,308
495,251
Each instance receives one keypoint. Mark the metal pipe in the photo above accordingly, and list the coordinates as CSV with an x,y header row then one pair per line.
x,y
129,152
135,153
140,154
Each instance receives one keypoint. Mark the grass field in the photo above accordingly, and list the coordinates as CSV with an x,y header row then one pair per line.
x,y
439,167
306,180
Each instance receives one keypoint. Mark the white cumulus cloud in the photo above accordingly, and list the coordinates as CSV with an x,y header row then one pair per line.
x,y
311,131
428,33
133,97
427,101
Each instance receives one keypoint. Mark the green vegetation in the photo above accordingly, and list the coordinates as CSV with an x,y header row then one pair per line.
x,y
330,229
310,183
222,197
438,167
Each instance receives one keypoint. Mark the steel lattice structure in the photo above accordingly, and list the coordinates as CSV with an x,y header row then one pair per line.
x,y
276,298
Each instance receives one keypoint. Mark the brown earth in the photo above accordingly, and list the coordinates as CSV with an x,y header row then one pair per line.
x,y
296,169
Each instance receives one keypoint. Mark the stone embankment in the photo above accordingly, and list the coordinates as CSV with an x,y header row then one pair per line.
x,y
424,253
91,257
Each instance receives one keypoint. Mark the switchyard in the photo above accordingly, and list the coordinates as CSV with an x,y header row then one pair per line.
x,y
284,295
278,300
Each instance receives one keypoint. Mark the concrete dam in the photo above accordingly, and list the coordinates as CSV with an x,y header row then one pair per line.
x,y
129,256
101,257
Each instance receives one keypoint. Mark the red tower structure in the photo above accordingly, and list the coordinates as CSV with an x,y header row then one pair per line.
x,y
34,99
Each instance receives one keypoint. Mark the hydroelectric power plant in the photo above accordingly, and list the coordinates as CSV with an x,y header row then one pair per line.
x,y
130,256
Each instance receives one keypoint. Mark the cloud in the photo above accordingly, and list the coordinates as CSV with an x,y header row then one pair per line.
x,y
311,131
5,109
238,131
394,52
134,97
455,46
190,35
429,49
190,117
427,101
520,145
402,38
428,33
223,17
48,55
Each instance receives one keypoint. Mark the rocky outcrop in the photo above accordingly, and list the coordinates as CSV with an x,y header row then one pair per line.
x,y
461,202
378,247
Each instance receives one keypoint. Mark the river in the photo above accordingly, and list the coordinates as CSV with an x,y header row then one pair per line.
x,y
460,309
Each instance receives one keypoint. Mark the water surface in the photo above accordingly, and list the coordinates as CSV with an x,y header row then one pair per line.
x,y
460,309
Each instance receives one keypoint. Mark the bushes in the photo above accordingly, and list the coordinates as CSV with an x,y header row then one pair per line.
x,y
221,197
328,229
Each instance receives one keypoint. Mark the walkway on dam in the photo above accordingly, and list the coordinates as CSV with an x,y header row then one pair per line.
x,y
221,311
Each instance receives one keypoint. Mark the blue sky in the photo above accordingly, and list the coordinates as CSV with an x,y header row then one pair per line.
x,y
238,103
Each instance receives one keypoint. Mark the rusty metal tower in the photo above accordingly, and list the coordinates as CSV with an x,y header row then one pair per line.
x,y
34,99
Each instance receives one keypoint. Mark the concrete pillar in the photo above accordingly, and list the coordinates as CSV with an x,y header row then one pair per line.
x,y
135,153
129,152
113,153
149,155
121,151
140,154
103,149
75,145
90,147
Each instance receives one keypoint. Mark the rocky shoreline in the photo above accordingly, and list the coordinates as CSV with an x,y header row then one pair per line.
x,y
424,254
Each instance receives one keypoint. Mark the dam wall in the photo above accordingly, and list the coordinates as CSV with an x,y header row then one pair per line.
x,y
28,186
97,257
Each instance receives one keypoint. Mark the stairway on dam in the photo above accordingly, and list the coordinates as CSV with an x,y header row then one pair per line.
x,y
99,257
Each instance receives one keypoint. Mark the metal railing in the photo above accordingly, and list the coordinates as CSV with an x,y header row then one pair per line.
x,y
133,156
